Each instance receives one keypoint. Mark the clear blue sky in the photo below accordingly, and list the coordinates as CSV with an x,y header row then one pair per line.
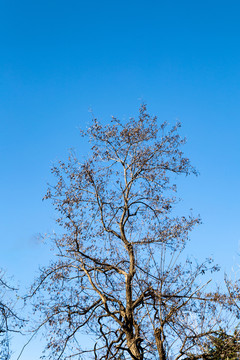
x,y
60,58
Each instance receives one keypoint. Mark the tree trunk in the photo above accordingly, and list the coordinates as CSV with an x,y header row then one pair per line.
x,y
159,342
135,352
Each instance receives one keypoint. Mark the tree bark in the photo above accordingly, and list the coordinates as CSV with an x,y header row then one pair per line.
x,y
134,349
159,342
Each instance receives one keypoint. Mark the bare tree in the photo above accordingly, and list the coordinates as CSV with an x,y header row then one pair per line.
x,y
9,321
4,314
120,274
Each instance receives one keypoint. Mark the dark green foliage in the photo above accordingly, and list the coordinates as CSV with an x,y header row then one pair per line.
x,y
220,346
224,346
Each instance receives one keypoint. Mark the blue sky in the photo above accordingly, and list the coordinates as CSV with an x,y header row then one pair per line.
x,y
60,58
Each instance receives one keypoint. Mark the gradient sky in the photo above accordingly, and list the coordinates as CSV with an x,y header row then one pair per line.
x,y
60,58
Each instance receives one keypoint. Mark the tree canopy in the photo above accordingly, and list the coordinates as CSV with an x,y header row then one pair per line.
x,y
120,274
